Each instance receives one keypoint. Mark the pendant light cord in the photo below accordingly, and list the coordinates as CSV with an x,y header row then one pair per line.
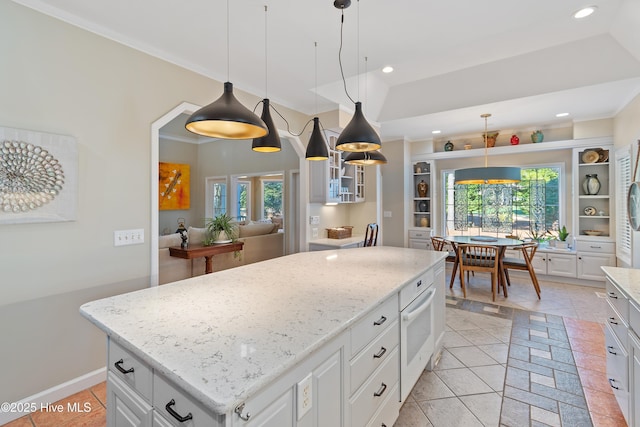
x,y
228,50
344,81
266,82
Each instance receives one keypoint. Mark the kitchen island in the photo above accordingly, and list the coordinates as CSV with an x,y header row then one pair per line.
x,y
276,343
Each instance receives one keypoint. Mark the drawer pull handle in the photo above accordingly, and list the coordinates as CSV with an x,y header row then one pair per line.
x,y
378,393
176,415
612,295
119,367
379,354
380,321
610,348
419,283
238,410
611,381
595,247
612,320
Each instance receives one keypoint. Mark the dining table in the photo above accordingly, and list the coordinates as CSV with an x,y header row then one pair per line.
x,y
501,243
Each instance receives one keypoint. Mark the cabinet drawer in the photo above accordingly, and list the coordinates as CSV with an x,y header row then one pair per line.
x,y
389,412
618,326
601,247
411,290
419,234
617,370
618,300
130,369
172,403
373,393
373,356
419,244
373,324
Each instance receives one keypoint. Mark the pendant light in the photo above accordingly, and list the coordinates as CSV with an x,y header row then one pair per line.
x,y
487,175
358,135
317,146
226,117
366,158
269,143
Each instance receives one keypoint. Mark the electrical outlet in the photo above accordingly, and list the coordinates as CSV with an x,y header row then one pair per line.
x,y
314,220
128,237
305,396
314,232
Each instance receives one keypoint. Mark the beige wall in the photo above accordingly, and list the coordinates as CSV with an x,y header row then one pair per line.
x,y
60,79
394,178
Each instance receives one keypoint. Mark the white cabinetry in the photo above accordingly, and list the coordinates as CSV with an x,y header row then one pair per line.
x,y
593,211
554,263
420,239
333,180
616,342
422,190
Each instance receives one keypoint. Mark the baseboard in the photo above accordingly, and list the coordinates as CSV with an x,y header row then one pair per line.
x,y
54,394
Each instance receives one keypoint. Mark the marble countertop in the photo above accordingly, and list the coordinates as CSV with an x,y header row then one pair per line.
x,y
224,336
627,279
338,243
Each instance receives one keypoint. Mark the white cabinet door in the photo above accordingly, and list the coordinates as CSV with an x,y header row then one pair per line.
x,y
277,414
561,265
124,406
589,265
327,390
634,379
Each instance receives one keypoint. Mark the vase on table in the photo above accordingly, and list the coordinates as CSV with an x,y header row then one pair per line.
x,y
591,184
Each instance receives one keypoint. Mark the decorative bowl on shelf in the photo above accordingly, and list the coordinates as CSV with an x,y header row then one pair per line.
x,y
592,232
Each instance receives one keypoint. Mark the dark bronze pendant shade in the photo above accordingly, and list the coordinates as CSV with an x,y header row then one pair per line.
x,y
226,118
358,135
270,143
366,158
317,146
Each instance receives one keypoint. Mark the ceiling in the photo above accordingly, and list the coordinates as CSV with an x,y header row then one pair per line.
x,y
521,61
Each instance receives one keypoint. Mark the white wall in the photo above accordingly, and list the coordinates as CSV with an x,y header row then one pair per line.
x,y
60,79
627,132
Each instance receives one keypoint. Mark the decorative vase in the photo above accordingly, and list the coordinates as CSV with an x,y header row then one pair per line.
x,y
422,188
424,222
514,140
448,146
491,139
537,136
591,185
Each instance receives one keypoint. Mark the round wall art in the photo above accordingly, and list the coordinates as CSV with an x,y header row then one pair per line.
x,y
30,176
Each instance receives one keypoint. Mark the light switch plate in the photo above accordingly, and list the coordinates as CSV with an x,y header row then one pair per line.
x,y
128,237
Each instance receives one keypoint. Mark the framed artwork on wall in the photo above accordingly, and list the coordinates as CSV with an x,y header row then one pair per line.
x,y
174,186
38,177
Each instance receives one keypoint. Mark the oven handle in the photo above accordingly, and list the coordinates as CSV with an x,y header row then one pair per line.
x,y
408,317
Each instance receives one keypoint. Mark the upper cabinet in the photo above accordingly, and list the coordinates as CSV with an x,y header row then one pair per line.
x,y
593,193
333,180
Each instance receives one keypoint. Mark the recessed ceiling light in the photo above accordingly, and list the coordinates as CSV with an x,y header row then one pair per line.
x,y
388,69
562,114
583,13
436,132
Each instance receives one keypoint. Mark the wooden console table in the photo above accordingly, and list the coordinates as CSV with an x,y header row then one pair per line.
x,y
197,251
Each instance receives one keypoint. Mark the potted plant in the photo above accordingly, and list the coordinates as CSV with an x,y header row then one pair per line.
x,y
562,235
220,229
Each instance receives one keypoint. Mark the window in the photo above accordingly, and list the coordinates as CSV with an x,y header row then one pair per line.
x,y
243,197
271,198
529,208
216,196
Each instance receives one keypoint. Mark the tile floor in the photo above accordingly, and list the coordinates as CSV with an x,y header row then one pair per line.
x,y
516,362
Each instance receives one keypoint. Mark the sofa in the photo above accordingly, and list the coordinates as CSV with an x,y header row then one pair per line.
x,y
262,241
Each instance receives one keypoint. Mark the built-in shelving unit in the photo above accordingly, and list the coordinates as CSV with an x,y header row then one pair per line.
x,y
335,181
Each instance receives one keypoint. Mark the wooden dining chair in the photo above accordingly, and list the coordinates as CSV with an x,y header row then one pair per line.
x,y
525,264
371,235
480,258
442,245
